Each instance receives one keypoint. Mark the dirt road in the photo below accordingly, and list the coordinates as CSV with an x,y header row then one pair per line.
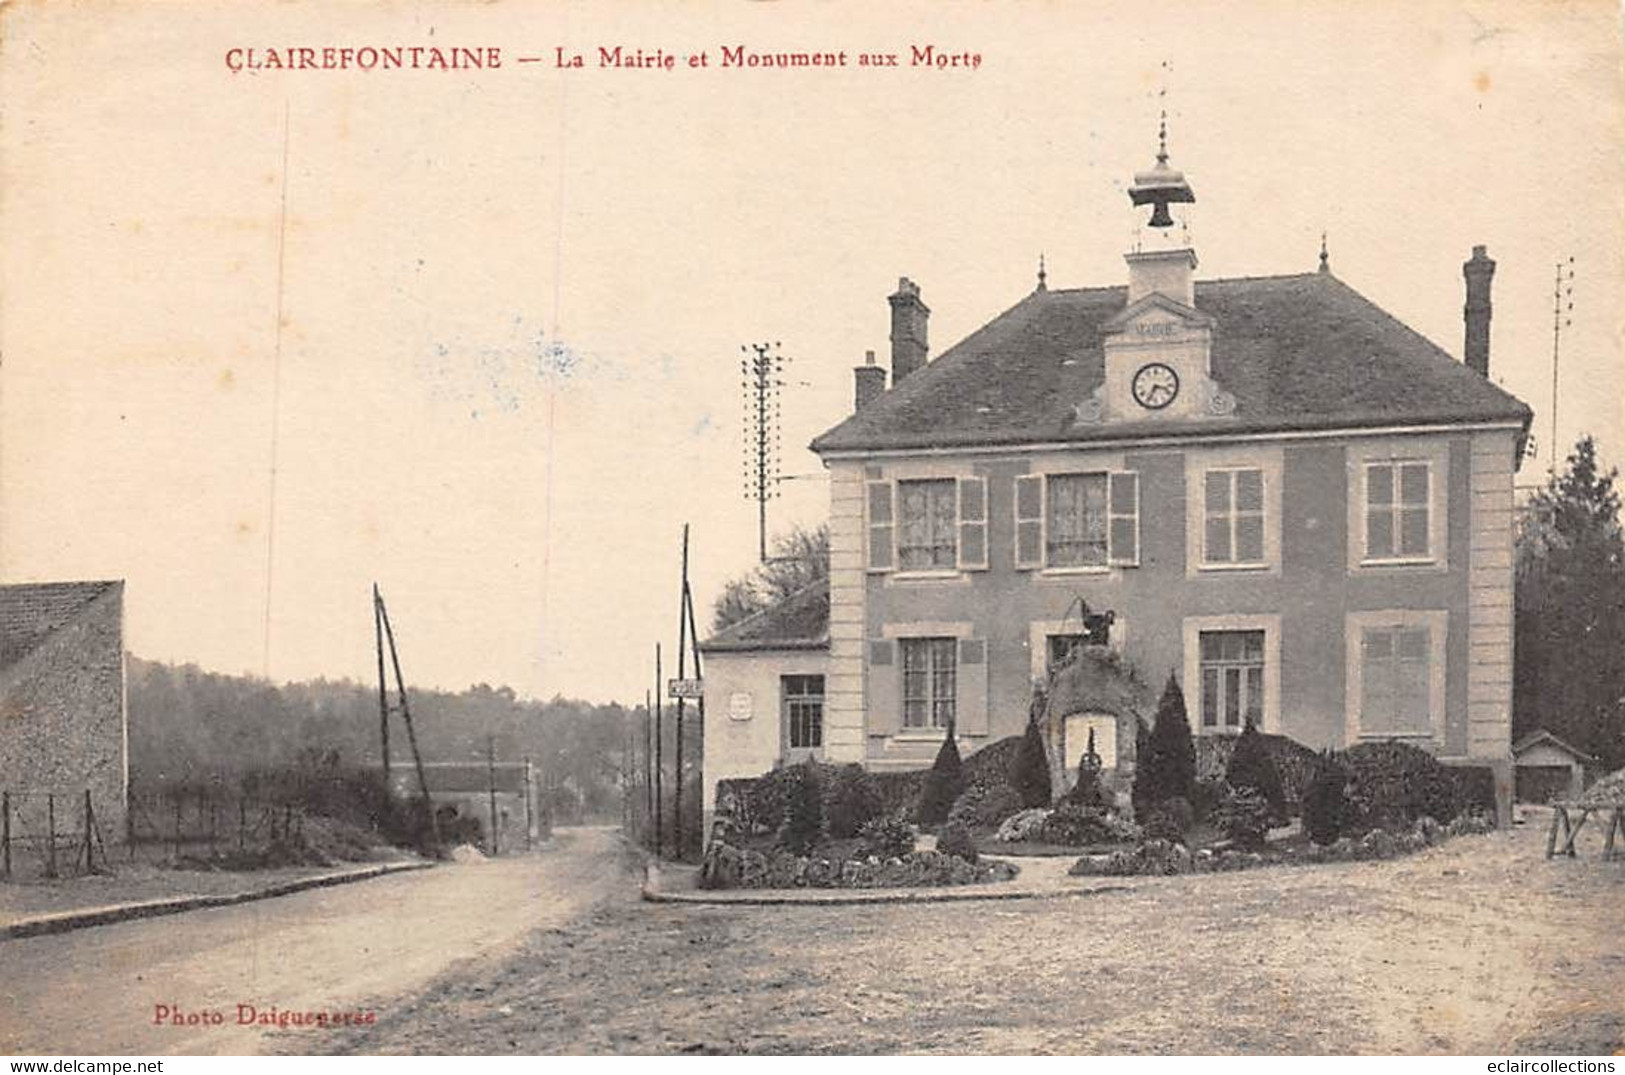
x,y
1478,946
354,948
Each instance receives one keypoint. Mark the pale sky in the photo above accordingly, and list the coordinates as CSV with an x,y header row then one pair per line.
x,y
450,234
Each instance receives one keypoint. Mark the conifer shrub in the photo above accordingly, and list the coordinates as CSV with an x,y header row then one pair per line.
x,y
1029,774
1251,766
803,825
1325,802
1167,768
943,783
955,839
1244,818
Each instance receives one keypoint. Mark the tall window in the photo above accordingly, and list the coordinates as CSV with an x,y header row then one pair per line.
x,y
1397,520
1233,513
930,673
927,517
803,710
1395,679
1232,679
1077,520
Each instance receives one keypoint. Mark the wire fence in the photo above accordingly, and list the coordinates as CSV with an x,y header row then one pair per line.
x,y
50,834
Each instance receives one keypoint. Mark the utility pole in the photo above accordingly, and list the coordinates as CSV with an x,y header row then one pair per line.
x,y
1562,317
383,685
682,673
491,780
659,766
406,714
761,372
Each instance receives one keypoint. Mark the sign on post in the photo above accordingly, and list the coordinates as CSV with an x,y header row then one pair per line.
x,y
685,688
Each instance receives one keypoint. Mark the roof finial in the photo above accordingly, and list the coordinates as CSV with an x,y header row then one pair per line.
x,y
1042,275
1162,138
1325,259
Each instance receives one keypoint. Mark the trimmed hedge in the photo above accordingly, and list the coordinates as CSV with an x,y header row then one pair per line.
x,y
729,867
1294,763
985,805
1155,857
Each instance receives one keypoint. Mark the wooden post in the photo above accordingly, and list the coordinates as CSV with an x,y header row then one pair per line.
x,y
175,840
242,822
682,670
491,781
406,715
660,790
89,821
383,683
530,814
50,831
5,834
694,641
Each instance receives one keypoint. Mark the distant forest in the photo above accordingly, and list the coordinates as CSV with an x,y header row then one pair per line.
x,y
189,726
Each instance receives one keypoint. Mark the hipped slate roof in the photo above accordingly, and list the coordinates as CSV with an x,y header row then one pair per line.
x,y
800,621
1302,352
32,612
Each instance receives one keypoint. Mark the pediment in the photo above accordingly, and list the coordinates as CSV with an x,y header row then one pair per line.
x,y
1156,309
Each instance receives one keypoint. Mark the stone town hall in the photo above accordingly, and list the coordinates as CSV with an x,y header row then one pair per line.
x,y
1298,504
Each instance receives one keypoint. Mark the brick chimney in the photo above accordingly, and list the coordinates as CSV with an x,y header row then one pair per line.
x,y
1475,351
908,319
870,379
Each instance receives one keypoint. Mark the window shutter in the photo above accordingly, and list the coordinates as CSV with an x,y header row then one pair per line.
x,y
970,684
885,689
973,523
1029,522
881,527
1123,513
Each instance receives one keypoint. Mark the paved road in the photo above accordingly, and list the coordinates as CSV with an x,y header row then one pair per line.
x,y
348,948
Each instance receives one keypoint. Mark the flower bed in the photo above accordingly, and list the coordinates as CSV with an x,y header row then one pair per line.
x,y
729,867
1161,857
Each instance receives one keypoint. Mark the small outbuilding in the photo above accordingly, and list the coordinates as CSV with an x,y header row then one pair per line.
x,y
1548,769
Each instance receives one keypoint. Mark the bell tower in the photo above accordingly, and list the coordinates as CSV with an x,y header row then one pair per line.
x,y
1162,261
1158,348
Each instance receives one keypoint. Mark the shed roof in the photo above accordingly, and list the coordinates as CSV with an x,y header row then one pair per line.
x,y
800,621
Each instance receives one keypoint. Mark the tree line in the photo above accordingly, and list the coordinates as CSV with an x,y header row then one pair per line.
x,y
189,726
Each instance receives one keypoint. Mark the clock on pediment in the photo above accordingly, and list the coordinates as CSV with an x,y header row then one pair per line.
x,y
1155,385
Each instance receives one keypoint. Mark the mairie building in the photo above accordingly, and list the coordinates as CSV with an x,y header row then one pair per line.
x,y
1267,487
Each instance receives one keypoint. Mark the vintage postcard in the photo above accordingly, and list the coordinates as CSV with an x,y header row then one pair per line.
x,y
613,528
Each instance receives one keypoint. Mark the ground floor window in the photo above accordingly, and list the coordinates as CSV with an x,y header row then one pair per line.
x,y
930,673
1396,681
803,711
1232,666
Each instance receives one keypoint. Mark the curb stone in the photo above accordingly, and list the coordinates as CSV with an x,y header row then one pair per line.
x,y
834,897
63,921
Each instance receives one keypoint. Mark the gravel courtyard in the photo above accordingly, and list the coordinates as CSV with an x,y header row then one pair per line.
x,y
1479,946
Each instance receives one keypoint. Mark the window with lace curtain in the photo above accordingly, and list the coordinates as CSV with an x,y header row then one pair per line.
x,y
927,517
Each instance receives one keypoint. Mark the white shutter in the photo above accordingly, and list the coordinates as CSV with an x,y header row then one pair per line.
x,y
882,553
973,524
1123,519
1029,508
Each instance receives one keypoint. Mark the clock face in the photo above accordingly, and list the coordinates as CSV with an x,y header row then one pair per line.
x,y
1155,386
